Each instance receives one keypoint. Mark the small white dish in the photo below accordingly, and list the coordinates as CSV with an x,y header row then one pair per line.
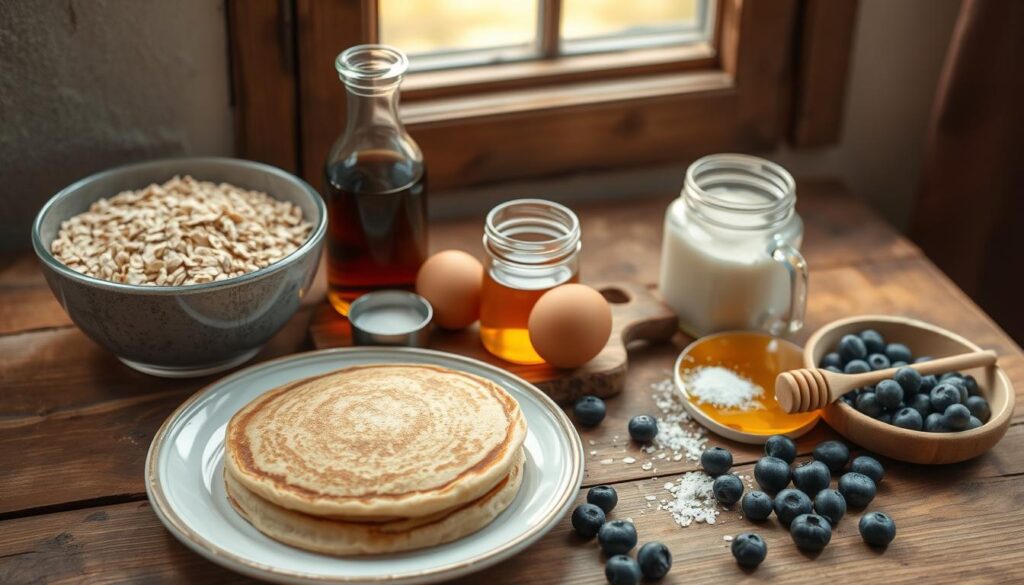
x,y
184,479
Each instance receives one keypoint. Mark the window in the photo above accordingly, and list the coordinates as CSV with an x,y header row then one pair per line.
x,y
530,88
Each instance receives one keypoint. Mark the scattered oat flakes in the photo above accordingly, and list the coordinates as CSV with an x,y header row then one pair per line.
x,y
607,461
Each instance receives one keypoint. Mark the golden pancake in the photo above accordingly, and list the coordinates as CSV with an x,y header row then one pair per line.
x,y
337,537
376,442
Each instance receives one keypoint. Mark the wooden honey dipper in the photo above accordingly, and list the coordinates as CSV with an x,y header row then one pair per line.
x,y
813,388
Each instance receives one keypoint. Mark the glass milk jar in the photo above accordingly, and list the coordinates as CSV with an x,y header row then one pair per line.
x,y
730,255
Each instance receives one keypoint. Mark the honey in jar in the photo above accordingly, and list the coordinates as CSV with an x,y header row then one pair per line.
x,y
533,246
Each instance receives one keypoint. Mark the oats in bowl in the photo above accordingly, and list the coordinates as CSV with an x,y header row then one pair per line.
x,y
179,233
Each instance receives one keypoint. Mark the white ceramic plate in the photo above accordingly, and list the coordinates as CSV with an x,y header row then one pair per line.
x,y
184,474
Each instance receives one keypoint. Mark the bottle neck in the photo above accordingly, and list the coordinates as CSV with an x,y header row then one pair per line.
x,y
372,109
739,192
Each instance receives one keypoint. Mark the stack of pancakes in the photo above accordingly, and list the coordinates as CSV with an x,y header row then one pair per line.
x,y
375,459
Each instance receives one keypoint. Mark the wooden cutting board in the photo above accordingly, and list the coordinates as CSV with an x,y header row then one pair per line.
x,y
637,314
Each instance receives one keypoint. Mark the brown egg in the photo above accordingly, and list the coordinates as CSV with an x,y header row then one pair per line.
x,y
570,325
451,281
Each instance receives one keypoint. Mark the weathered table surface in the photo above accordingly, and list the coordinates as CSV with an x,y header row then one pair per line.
x,y
75,425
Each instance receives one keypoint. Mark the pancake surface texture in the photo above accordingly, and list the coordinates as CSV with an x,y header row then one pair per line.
x,y
337,537
376,442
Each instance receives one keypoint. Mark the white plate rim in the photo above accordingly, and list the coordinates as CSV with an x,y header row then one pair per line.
x,y
213,552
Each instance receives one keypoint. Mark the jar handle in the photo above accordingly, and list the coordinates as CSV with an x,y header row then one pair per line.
x,y
795,264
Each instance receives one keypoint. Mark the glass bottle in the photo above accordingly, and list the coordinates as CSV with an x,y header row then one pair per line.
x,y
376,183
532,245
730,254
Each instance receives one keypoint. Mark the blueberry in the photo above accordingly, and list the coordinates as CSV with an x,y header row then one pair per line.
x,y
927,383
791,503
956,417
811,477
780,446
852,348
622,570
810,531
749,549
603,496
587,519
979,408
974,423
934,423
889,393
867,403
972,385
756,505
873,341
908,418
878,361
857,488
617,537
589,410
831,359
921,403
655,560
943,395
727,489
643,428
716,461
949,375
856,367
961,387
833,369
885,417
868,466
909,379
831,504
835,454
877,529
899,364
897,352
771,473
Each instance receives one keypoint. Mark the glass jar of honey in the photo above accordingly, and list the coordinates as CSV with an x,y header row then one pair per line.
x,y
533,246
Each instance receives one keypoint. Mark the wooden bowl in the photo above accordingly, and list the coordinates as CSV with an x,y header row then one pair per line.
x,y
906,445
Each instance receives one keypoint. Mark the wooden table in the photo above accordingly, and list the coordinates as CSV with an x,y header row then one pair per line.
x,y
75,425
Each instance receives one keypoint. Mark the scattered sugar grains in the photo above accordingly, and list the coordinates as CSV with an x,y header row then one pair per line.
x,y
692,499
676,432
723,388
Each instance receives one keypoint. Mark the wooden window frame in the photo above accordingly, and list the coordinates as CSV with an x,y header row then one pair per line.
x,y
748,89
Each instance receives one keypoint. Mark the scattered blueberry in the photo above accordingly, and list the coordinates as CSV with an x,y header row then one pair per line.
x,y
771,473
878,361
867,403
873,341
643,428
589,410
852,348
756,505
909,379
811,477
622,570
927,383
727,489
921,403
956,417
831,359
889,393
856,367
810,531
877,529
908,418
898,352
716,461
749,549
972,385
831,504
780,446
604,497
857,488
587,519
655,560
934,424
791,503
974,423
868,466
834,454
617,537
943,395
